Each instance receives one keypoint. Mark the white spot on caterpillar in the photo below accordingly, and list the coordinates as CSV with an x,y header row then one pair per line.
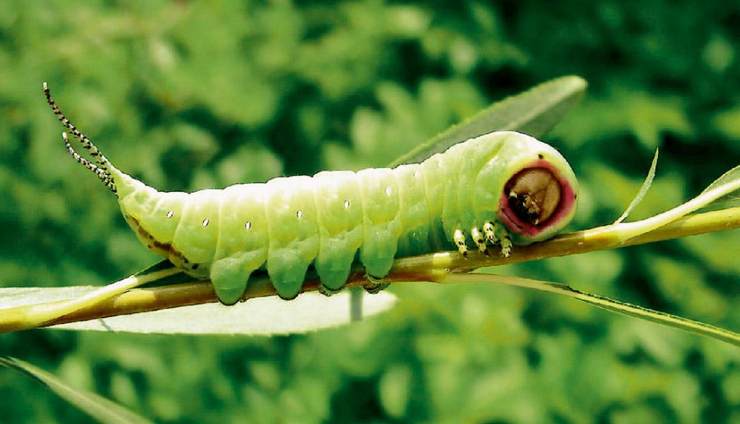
x,y
205,222
346,204
170,214
388,191
299,214
248,225
416,174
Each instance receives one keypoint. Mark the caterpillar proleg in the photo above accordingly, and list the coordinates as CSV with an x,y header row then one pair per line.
x,y
499,188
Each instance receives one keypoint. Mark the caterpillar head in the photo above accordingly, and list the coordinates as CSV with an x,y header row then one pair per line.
x,y
535,188
537,202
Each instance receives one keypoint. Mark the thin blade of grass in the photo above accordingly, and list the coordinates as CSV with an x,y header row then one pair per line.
x,y
730,200
94,405
643,189
532,112
663,318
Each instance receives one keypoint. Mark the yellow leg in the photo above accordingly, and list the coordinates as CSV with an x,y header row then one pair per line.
x,y
459,238
478,239
503,238
490,231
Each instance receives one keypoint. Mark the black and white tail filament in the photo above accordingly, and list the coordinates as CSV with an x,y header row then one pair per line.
x,y
101,169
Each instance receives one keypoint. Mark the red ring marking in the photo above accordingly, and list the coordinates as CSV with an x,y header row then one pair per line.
x,y
567,201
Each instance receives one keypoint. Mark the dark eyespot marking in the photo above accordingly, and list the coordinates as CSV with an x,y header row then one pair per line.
x,y
534,195
541,156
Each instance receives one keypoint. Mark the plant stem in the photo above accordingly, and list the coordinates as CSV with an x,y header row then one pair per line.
x,y
433,267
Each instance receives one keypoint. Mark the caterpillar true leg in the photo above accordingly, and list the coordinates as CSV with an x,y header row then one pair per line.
x,y
506,246
490,231
478,239
459,239
503,238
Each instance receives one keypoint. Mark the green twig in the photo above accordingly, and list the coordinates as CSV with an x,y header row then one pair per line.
x,y
431,267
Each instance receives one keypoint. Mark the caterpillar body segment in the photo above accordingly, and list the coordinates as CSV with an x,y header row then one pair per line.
x,y
294,234
382,220
477,193
415,211
340,218
242,242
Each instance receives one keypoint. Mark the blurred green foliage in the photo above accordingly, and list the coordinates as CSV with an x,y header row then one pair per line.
x,y
187,95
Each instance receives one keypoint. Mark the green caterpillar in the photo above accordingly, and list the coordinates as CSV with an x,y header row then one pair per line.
x,y
498,188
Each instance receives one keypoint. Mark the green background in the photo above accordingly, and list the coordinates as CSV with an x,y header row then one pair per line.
x,y
187,95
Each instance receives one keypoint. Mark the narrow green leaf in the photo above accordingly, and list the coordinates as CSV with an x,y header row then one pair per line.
x,y
35,310
663,318
643,190
533,112
259,316
726,186
175,278
96,406
163,264
30,307
730,200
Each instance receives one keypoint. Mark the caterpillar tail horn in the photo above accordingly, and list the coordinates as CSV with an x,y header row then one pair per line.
x,y
103,168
